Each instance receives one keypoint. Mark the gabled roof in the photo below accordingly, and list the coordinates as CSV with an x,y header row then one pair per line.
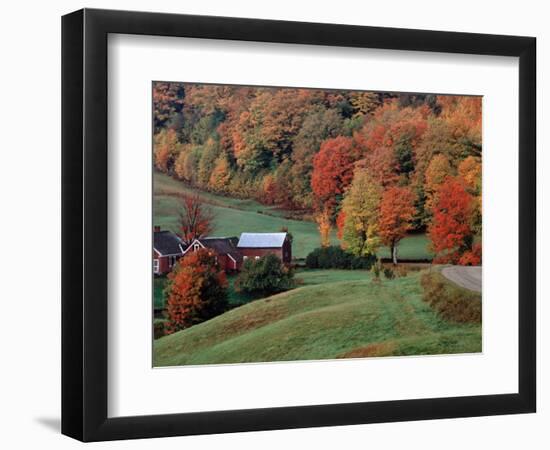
x,y
225,245
168,243
261,240
221,245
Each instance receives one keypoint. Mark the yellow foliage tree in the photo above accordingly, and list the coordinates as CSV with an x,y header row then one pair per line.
x,y
438,169
324,226
361,210
221,174
469,170
166,149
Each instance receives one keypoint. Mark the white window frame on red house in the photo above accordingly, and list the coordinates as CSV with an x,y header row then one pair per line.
x,y
156,266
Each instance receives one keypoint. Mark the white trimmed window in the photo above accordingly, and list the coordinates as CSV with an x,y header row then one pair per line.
x,y
196,247
256,258
155,266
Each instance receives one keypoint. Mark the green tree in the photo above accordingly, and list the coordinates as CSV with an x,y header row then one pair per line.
x,y
210,153
264,276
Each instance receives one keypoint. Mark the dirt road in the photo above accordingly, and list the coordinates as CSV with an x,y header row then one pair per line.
x,y
467,277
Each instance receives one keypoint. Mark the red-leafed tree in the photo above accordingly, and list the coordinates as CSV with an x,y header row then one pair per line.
x,y
196,218
340,223
332,171
450,231
196,291
396,214
471,257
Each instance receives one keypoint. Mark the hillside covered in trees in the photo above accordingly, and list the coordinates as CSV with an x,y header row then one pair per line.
x,y
374,166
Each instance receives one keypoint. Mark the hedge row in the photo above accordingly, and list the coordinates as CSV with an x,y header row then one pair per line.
x,y
335,258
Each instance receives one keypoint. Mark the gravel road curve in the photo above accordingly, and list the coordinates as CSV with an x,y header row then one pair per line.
x,y
467,277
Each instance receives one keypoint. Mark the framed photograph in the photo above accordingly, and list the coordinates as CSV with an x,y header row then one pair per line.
x,y
273,225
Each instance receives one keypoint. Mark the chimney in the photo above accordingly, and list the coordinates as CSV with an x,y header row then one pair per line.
x,y
156,228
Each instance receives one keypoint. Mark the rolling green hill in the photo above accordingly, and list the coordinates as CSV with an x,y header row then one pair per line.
x,y
234,216
324,319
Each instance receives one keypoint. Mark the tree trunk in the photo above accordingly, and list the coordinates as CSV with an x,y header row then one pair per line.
x,y
394,254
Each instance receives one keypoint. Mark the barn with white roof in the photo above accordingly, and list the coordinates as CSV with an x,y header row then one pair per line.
x,y
256,245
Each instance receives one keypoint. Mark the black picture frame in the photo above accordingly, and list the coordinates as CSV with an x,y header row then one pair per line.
x,y
84,224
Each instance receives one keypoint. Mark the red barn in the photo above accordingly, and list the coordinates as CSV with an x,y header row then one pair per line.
x,y
256,245
228,255
168,247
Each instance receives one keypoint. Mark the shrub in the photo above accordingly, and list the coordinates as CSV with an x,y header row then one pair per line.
x,y
388,273
449,301
266,275
159,328
196,290
334,257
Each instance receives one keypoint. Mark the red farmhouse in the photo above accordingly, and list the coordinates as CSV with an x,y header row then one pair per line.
x,y
168,247
228,255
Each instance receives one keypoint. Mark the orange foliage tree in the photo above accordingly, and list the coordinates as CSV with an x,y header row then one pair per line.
x,y
340,223
332,171
324,225
221,174
470,171
196,290
463,116
269,187
450,231
196,218
436,173
389,140
166,149
396,214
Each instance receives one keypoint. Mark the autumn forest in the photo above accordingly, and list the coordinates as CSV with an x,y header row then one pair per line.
x,y
372,166
296,224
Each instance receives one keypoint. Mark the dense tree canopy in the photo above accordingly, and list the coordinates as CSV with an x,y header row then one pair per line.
x,y
302,150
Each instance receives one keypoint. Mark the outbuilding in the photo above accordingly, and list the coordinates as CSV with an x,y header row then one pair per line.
x,y
227,254
256,245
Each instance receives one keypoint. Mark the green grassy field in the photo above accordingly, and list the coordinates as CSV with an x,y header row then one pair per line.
x,y
304,277
324,319
314,277
234,216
